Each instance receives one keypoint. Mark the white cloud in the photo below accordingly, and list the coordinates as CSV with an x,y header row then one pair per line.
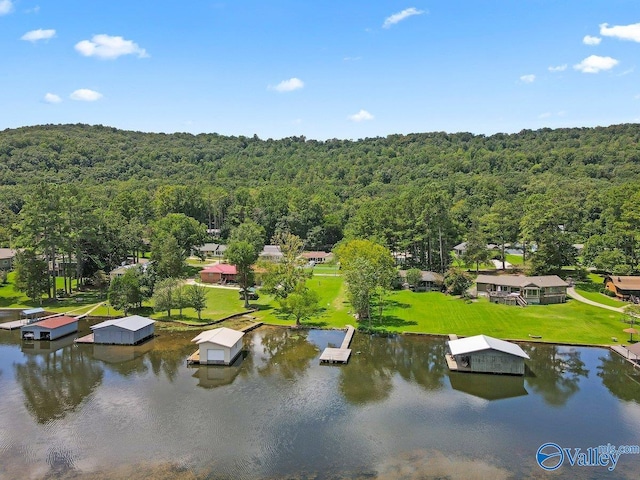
x,y
85,95
558,68
288,85
52,98
528,78
595,64
106,46
544,115
6,7
623,32
40,34
361,116
398,17
589,40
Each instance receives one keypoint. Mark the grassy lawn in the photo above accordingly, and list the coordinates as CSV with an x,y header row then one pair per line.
x,y
514,259
326,269
221,302
594,295
572,322
334,308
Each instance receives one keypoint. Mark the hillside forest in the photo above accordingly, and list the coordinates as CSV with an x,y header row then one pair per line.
x,y
101,194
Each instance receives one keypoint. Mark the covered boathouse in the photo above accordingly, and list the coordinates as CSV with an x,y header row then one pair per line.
x,y
486,355
124,331
220,346
50,328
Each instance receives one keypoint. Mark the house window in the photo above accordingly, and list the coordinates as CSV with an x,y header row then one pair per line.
x,y
531,292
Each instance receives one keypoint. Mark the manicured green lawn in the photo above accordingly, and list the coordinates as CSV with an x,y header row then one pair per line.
x,y
599,297
514,259
326,269
221,302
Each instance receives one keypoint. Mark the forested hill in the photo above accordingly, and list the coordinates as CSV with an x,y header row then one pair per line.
x,y
417,194
97,154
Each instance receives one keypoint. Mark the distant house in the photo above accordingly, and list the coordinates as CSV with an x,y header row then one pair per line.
x,y
401,258
6,258
485,354
429,281
211,250
271,253
317,257
522,290
50,328
460,249
124,331
625,287
122,269
220,346
219,273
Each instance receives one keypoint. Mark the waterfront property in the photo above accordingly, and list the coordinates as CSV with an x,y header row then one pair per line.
x,y
624,287
219,273
522,290
317,257
50,328
220,346
342,354
429,281
484,354
124,331
210,250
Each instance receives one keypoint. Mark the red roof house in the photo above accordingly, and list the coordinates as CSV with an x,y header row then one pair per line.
x,y
219,273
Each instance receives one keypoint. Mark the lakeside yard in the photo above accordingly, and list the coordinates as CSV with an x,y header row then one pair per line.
x,y
405,311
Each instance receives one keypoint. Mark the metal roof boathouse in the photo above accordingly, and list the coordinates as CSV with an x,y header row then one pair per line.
x,y
124,331
485,354
49,328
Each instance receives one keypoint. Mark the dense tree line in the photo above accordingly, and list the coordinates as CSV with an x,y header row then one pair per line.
x,y
98,194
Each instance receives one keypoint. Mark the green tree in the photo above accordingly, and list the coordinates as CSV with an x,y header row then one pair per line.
x,y
243,255
164,295
285,276
301,304
501,225
168,257
124,291
197,298
369,271
414,277
31,274
249,232
457,281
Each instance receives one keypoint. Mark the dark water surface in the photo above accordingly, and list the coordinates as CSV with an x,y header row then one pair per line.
x,y
395,411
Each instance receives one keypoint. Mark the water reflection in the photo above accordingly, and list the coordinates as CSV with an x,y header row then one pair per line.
x,y
622,381
289,353
554,372
488,387
56,383
212,376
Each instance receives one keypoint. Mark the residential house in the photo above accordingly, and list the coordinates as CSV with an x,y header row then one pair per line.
x,y
271,253
317,257
485,354
122,269
219,273
6,258
523,290
210,250
429,281
624,287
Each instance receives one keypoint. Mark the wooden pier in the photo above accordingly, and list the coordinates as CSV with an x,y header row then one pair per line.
x,y
630,357
342,354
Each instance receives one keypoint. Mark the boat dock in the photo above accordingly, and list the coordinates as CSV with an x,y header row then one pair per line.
x,y
342,354
626,354
13,325
194,358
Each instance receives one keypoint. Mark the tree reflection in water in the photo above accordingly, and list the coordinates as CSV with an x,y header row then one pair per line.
x,y
56,382
289,351
620,377
554,372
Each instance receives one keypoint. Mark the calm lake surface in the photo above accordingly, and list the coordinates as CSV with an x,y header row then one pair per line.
x,y
395,411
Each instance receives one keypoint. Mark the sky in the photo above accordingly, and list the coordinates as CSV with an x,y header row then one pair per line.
x,y
323,69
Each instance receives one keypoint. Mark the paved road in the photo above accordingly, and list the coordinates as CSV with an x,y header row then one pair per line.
x,y
576,296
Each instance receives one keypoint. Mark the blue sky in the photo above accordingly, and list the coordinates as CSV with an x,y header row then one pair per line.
x,y
323,69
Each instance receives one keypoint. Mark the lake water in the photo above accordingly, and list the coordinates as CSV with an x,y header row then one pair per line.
x,y
395,411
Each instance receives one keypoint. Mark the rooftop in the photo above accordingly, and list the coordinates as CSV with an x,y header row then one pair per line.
x,y
224,268
522,280
55,322
222,336
479,343
625,282
133,323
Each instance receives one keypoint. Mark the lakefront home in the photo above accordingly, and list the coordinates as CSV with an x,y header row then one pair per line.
x,y
429,281
522,290
624,287
220,273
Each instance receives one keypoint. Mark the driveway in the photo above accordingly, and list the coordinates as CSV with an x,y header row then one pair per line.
x,y
571,291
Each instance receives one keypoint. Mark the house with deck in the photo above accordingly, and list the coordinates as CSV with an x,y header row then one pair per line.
x,y
625,287
317,257
522,290
484,354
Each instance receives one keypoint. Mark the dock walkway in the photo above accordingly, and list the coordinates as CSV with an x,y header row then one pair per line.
x,y
342,354
626,354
